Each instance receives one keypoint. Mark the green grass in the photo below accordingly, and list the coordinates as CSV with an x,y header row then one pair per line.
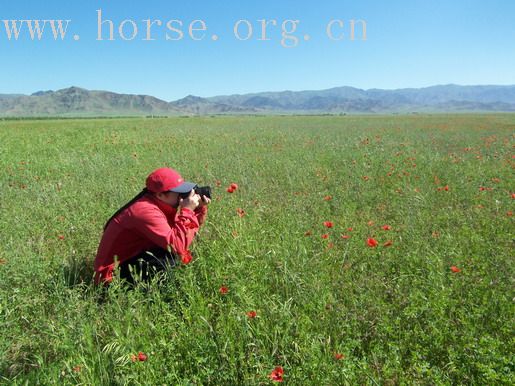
x,y
398,314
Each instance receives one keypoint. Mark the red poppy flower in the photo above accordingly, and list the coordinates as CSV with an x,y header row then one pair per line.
x,y
230,190
446,188
224,290
277,374
328,198
234,186
345,237
186,257
509,213
349,229
372,242
386,227
388,243
142,357
328,224
513,195
251,314
325,236
455,269
338,356
61,237
241,212
366,178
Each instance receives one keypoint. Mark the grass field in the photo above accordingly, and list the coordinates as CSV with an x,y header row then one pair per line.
x,y
432,303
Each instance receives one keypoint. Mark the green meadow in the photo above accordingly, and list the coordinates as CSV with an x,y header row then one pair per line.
x,y
357,250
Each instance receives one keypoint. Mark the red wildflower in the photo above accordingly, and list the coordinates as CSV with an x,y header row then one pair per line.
x,y
388,243
366,178
234,186
77,369
230,190
328,224
386,227
513,195
224,290
372,242
251,314
455,269
241,212
142,357
345,237
330,245
325,236
186,257
446,188
509,213
61,237
328,198
277,374
338,356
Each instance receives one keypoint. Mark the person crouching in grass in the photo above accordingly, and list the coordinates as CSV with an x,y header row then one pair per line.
x,y
149,233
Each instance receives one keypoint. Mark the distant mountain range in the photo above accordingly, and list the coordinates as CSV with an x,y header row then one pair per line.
x,y
76,101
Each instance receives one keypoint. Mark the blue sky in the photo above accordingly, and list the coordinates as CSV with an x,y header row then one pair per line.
x,y
414,43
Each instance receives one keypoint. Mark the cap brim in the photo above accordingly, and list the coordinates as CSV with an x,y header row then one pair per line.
x,y
185,187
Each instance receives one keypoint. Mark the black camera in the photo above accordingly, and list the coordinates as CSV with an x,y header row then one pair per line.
x,y
200,190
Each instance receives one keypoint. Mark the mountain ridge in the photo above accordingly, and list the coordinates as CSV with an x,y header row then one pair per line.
x,y
77,101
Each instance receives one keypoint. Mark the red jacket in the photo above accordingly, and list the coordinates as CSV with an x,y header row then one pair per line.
x,y
146,224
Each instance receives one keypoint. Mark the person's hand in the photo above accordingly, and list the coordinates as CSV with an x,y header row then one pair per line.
x,y
204,201
191,202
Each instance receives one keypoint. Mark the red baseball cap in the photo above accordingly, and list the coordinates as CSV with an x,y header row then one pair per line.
x,y
168,180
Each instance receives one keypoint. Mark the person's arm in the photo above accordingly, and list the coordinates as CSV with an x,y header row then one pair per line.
x,y
201,210
153,225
